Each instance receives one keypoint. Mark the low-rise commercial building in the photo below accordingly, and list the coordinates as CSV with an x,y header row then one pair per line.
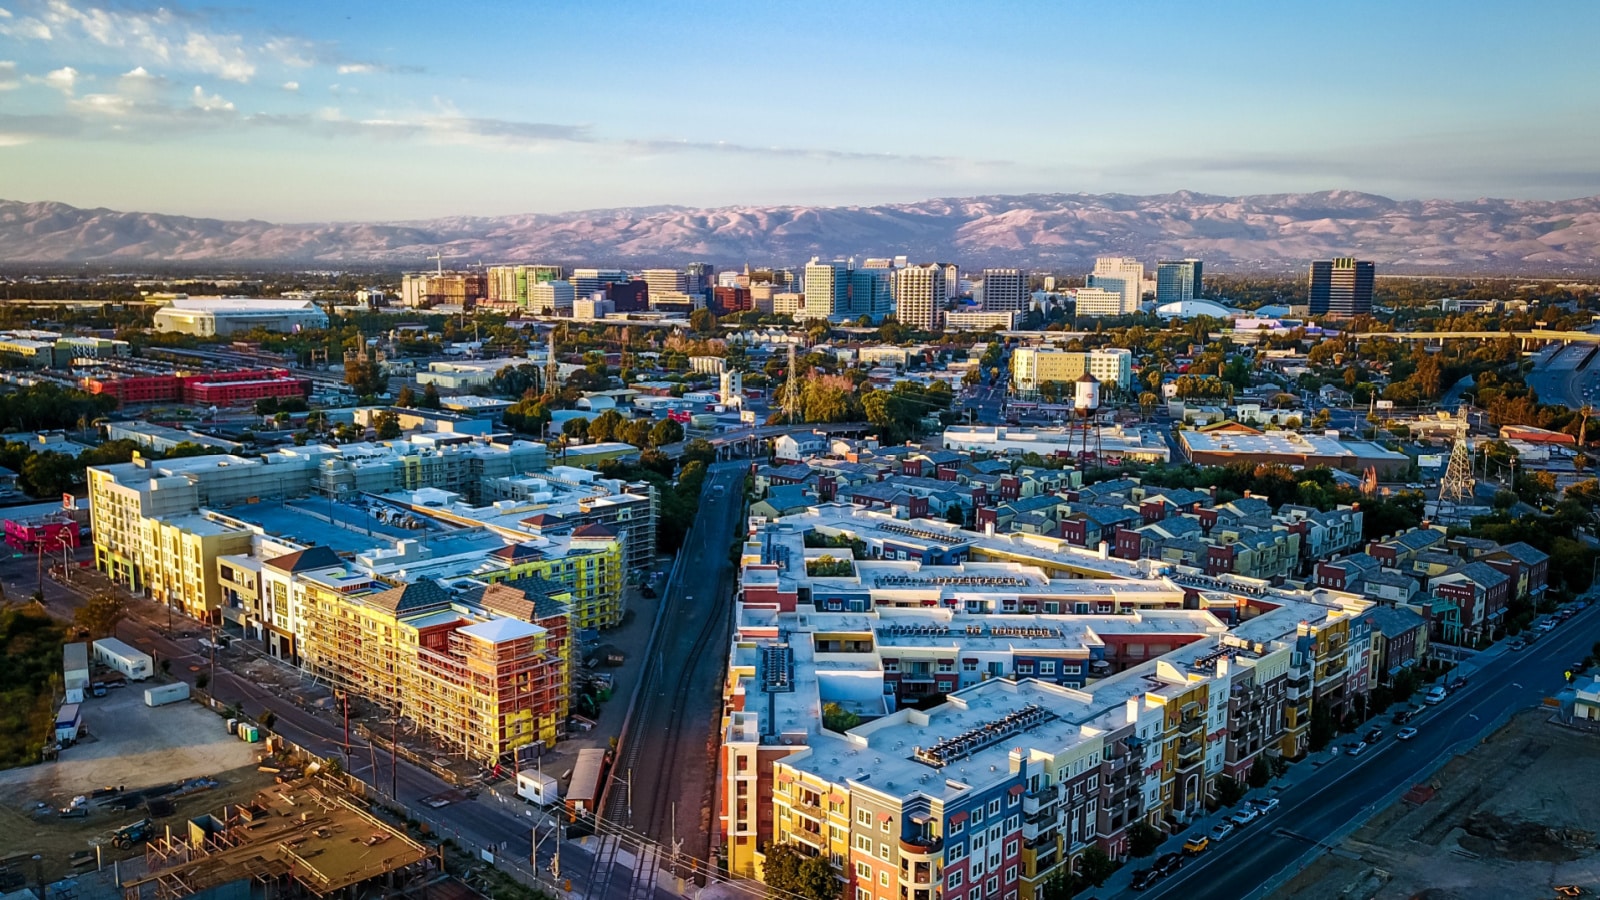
x,y
223,316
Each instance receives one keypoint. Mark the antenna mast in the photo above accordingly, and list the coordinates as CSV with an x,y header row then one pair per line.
x,y
1456,489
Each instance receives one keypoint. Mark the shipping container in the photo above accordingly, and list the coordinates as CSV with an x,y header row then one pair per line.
x,y
130,661
163,694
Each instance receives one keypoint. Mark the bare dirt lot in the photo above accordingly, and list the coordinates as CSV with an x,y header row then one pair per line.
x,y
1517,817
149,753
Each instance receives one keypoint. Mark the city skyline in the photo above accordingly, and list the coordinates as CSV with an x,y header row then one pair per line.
x,y
369,112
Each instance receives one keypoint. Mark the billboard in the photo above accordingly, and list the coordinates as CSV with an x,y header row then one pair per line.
x,y
1385,404
1430,461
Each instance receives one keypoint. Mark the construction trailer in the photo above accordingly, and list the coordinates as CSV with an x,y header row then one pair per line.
x,y
161,695
75,670
69,720
132,662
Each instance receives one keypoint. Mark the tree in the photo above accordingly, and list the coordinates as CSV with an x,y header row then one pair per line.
x,y
1260,772
837,718
955,515
365,377
430,397
1095,866
387,424
665,432
703,321
788,870
100,614
1229,790
606,426
576,428
1144,838
407,397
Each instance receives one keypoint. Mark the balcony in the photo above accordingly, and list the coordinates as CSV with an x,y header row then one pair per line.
x,y
809,838
1033,801
809,810
1188,747
1189,726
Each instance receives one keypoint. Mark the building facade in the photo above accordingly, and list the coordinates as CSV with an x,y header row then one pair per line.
x,y
922,294
1341,287
1178,280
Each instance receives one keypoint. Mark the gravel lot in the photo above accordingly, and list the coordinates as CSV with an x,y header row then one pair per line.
x,y
1509,819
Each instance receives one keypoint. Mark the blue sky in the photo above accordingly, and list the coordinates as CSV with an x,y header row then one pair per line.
x,y
298,111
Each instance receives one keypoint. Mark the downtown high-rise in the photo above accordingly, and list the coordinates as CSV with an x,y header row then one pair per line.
x,y
1177,280
921,296
1005,290
1121,275
1341,287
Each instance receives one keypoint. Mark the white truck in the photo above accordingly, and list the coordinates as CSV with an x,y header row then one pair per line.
x,y
133,663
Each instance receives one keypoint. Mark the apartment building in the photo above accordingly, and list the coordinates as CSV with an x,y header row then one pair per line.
x,y
1005,290
1032,367
922,294
1085,724
1120,275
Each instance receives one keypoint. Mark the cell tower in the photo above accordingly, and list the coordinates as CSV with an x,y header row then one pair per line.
x,y
791,393
1456,489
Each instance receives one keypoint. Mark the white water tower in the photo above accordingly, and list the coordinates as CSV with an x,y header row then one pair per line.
x,y
1086,394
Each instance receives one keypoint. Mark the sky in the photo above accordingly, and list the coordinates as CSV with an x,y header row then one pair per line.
x,y
311,110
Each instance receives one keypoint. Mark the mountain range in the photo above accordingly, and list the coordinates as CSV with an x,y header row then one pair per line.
x,y
1268,232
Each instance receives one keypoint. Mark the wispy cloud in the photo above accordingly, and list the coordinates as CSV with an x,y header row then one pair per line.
x,y
8,76
159,36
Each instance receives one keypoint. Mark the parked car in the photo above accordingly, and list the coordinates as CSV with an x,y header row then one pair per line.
x,y
1402,717
1547,625
1244,817
1579,667
1405,734
1169,863
1517,646
1435,695
1144,879
1372,735
1196,844
1265,806
1220,831
1359,748
1456,684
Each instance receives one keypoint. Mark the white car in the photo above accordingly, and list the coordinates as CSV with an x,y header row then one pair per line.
x,y
1405,734
1265,806
1435,696
1244,816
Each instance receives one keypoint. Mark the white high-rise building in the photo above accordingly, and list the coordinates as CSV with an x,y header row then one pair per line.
x,y
1098,301
587,281
1005,290
551,298
665,281
922,295
1122,274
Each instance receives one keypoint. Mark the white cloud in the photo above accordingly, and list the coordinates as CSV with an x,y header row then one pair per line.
x,y
357,69
210,102
158,35
63,79
291,86
8,76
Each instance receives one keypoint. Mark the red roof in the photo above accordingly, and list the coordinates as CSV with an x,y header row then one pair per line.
x,y
593,530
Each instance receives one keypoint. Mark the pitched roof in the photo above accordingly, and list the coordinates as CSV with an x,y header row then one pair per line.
x,y
593,530
318,557
419,594
518,552
1523,553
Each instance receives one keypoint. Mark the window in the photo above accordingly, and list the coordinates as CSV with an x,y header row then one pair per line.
x,y
884,827
1094,782
1013,799
969,665
1011,873
863,870
955,826
863,817
864,844
883,879
946,666
954,881
1047,667
883,851
1012,848
1024,668
993,885
863,894
977,815
994,807
956,852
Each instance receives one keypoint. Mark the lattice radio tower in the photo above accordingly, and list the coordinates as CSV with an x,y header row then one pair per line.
x,y
792,391
1456,489
552,368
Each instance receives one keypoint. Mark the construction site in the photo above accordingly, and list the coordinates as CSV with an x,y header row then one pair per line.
x,y
297,839
1505,820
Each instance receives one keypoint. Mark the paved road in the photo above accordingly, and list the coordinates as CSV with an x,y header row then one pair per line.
x,y
665,756
1318,812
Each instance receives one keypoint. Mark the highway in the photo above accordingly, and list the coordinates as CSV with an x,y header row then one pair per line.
x,y
665,753
1318,812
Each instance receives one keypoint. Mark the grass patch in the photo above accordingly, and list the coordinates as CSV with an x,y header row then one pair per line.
x,y
30,671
